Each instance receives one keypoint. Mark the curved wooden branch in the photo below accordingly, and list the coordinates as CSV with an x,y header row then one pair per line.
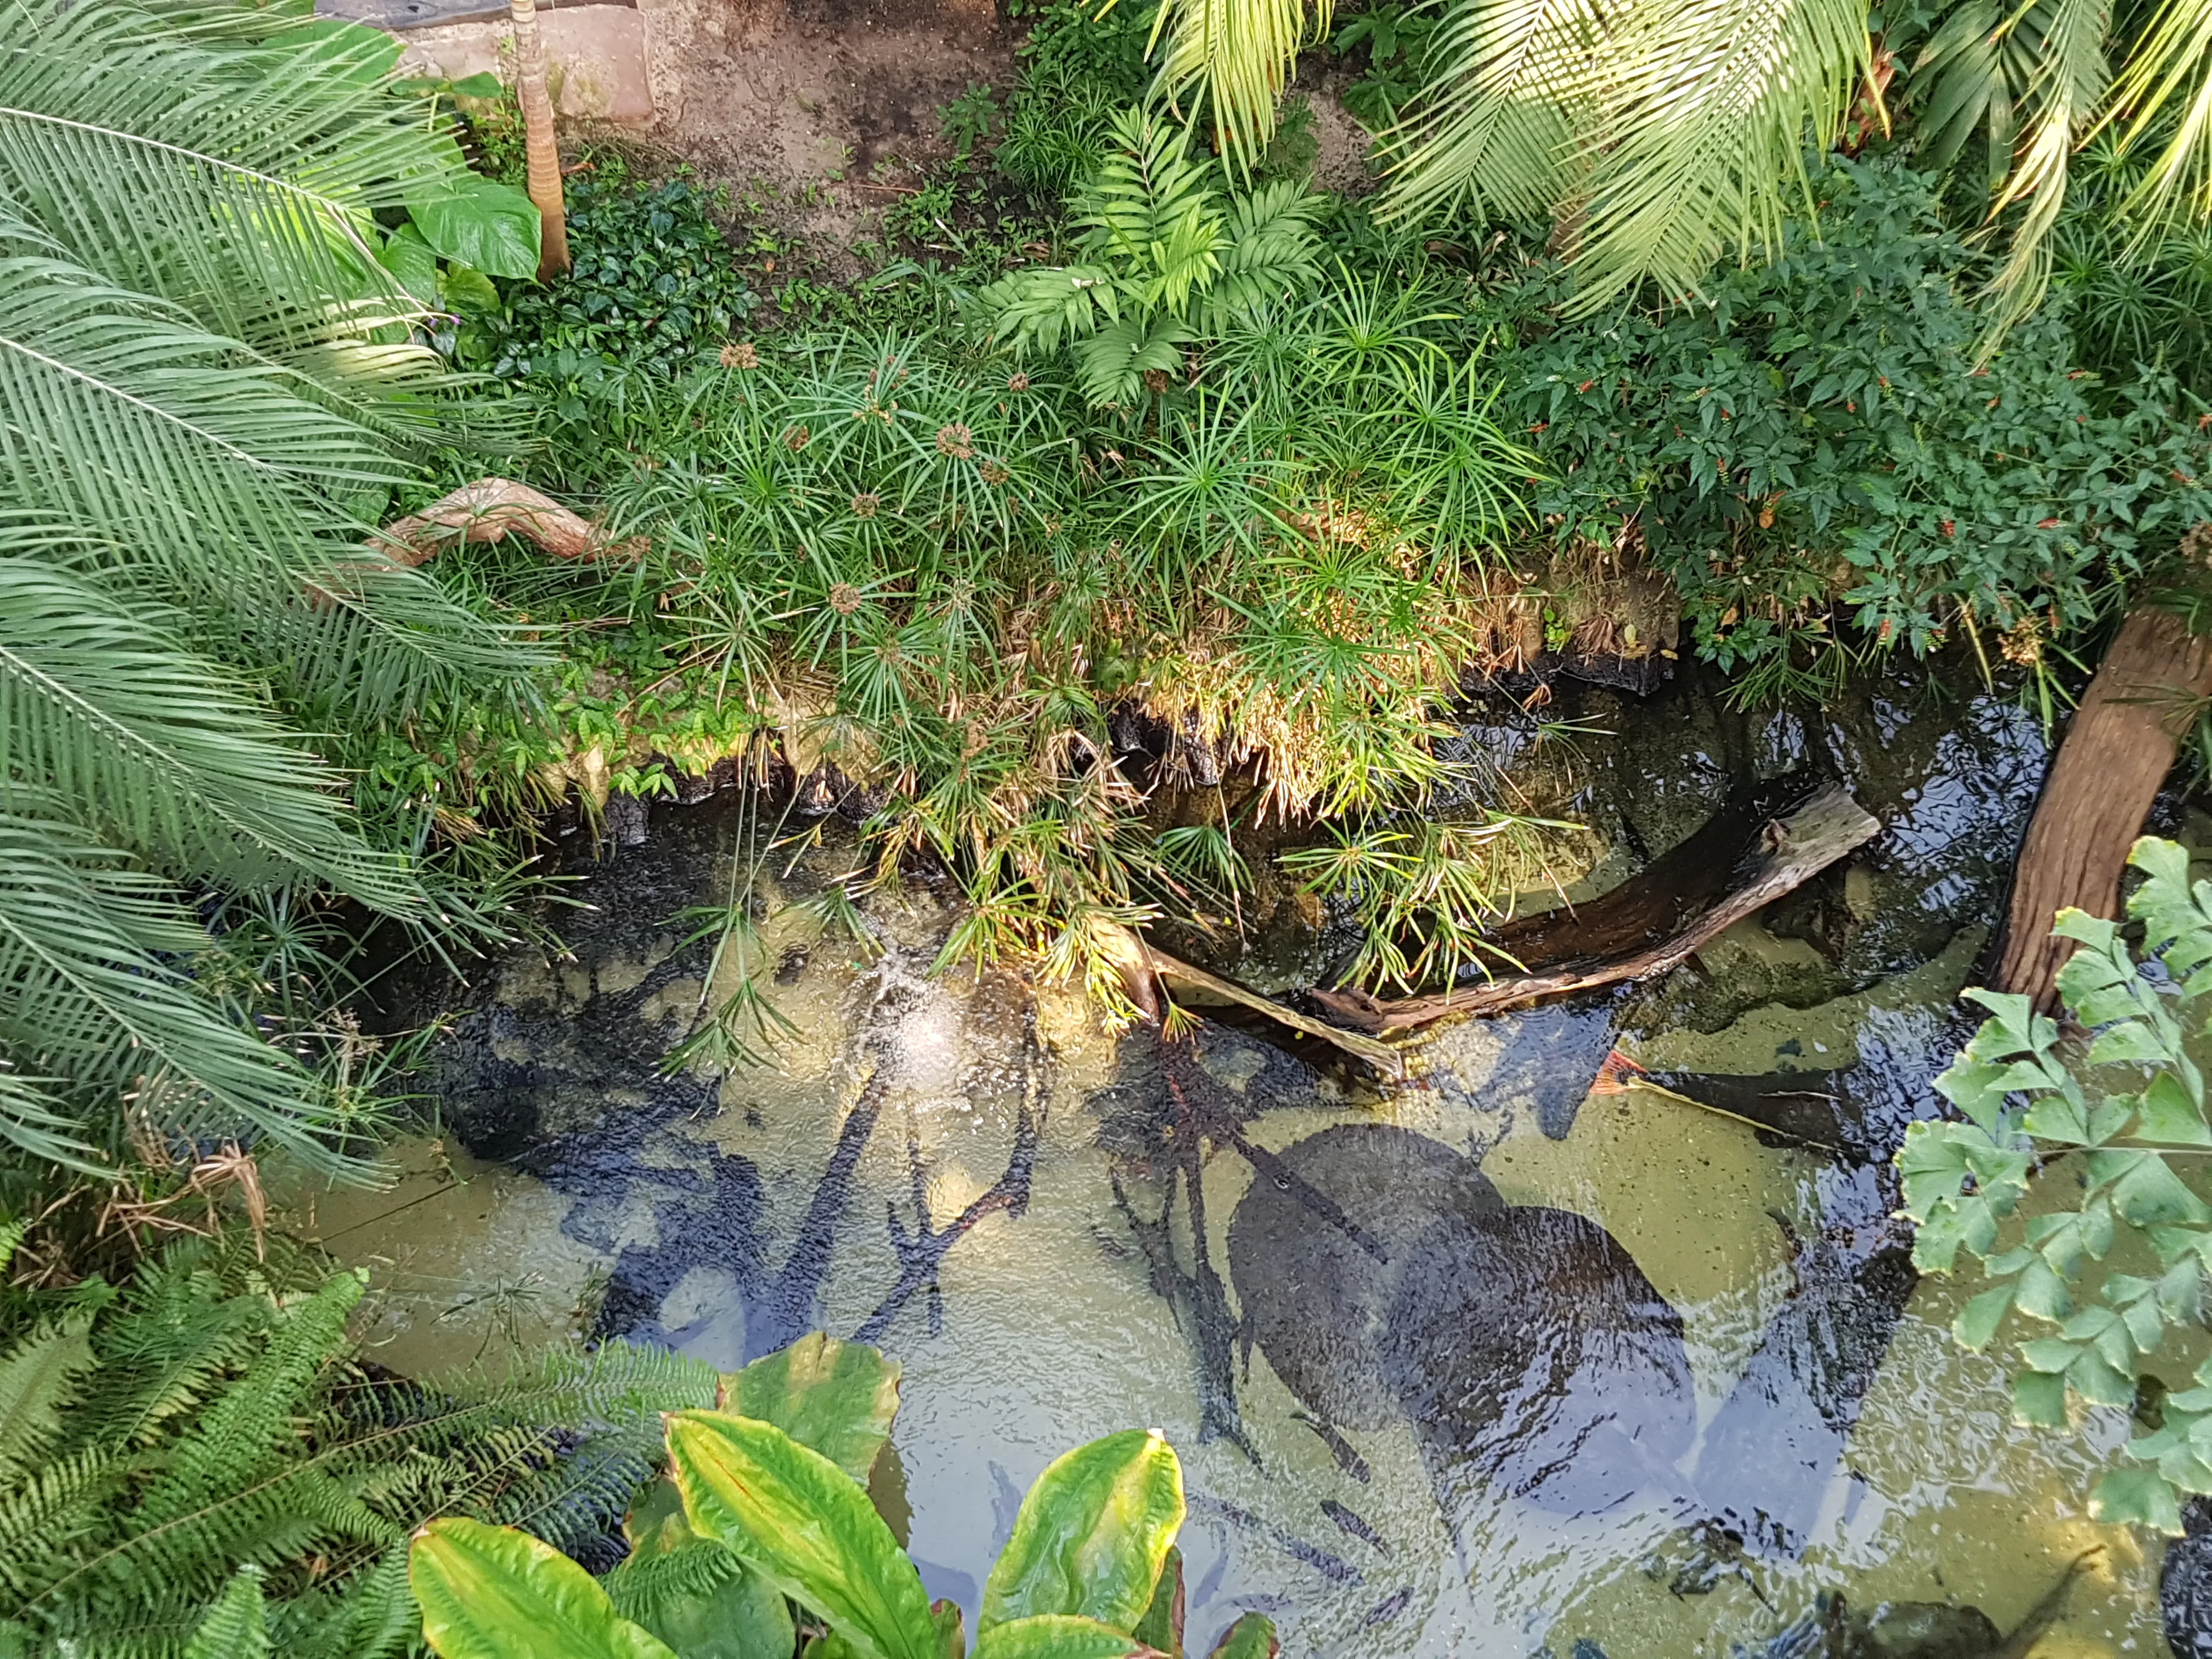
x,y
486,511
1792,850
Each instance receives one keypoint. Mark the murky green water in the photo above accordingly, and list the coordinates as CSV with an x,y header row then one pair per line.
x,y
1483,1364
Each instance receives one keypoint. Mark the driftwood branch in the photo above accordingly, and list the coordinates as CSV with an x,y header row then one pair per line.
x,y
1793,850
489,510
2110,767
1140,962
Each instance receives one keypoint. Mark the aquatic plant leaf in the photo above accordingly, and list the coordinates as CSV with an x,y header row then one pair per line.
x,y
1979,1320
1161,1628
1092,1535
495,1593
1052,1636
835,1398
804,1525
2139,1496
2039,1397
1252,1636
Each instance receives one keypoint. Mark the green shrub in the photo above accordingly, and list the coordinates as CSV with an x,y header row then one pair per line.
x,y
654,287
1819,433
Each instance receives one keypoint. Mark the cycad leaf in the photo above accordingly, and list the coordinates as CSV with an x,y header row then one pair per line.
x,y
102,702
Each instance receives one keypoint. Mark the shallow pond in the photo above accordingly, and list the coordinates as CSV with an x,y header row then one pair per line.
x,y
1488,1363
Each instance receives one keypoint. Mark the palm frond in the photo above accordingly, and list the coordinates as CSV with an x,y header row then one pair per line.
x,y
2168,76
1496,128
102,106
1708,111
1232,58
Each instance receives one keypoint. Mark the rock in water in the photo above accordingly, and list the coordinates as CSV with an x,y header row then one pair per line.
x,y
1525,1346
2184,1585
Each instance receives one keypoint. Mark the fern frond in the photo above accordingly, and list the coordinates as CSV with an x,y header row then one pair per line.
x,y
237,1627
38,1377
238,1433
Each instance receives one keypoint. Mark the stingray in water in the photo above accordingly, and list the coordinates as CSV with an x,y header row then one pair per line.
x,y
1523,1343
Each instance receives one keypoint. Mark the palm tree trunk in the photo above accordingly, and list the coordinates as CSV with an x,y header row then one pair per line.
x,y
542,152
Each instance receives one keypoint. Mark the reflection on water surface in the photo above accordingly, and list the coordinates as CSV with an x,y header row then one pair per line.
x,y
1488,1364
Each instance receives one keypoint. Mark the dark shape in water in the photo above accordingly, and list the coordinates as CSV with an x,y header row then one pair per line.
x,y
1353,1523
1522,1343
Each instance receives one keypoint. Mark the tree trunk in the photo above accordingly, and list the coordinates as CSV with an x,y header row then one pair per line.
x,y
540,146
2110,767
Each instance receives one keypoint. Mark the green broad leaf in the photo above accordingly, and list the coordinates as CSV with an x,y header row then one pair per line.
x,y
2095,932
803,1525
951,1630
465,292
836,1398
482,84
2042,1293
1979,1320
486,225
413,261
2145,1191
2139,1498
495,1593
738,1616
2164,1112
2146,1324
1052,1636
2131,1040
237,1626
1252,1636
1937,1240
2052,1354
2100,1382
1161,1628
2039,1397
1092,1535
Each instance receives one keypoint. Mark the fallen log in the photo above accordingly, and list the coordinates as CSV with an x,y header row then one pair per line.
x,y
2113,763
489,510
1790,852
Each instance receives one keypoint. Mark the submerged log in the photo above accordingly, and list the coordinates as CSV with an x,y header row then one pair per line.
x,y
1788,853
2110,767
1142,961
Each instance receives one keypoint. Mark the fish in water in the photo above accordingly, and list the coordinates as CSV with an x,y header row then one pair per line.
x,y
1387,1608
1351,1521
1335,1567
1347,1459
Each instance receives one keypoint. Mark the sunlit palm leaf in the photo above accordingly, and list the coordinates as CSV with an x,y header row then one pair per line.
x,y
2169,76
2068,82
1708,108
1236,56
1508,97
